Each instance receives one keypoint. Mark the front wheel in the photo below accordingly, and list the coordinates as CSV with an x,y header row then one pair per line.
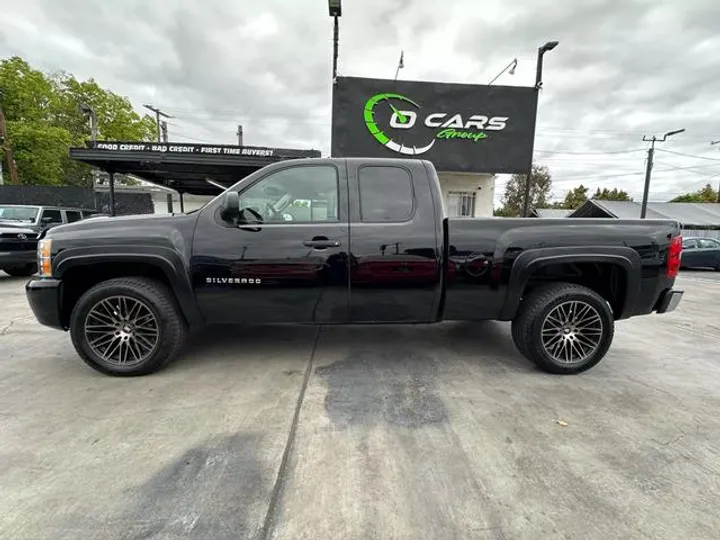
x,y
127,326
23,270
563,328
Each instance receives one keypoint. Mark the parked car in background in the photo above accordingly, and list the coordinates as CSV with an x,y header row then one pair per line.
x,y
20,226
701,252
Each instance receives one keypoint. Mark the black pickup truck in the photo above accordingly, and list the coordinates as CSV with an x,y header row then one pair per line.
x,y
336,241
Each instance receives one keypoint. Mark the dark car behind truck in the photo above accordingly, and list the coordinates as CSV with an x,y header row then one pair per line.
x,y
20,227
328,241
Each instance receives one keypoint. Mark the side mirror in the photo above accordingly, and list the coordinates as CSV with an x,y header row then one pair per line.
x,y
230,210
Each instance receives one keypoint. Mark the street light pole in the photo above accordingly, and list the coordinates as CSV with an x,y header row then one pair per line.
x,y
549,46
649,166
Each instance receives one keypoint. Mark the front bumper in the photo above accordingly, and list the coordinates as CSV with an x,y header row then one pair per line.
x,y
44,296
17,258
669,300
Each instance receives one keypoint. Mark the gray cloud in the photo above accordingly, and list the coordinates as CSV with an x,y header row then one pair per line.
x,y
624,68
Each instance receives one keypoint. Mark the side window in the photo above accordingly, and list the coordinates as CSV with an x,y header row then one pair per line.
x,y
73,215
51,216
689,244
297,194
709,243
386,194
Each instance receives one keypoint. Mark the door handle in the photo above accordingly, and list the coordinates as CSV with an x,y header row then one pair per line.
x,y
320,242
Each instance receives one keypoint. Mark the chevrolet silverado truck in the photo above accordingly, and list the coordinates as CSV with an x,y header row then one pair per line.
x,y
348,241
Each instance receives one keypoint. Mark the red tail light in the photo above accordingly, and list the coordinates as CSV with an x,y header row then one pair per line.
x,y
673,260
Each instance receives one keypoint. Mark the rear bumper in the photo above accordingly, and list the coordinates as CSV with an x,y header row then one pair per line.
x,y
17,258
669,300
44,297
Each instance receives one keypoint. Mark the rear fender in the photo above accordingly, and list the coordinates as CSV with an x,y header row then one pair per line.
x,y
530,261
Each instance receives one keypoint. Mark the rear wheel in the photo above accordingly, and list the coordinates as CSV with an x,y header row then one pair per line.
x,y
23,270
563,328
127,326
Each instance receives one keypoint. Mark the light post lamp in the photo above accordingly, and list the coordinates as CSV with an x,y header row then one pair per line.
x,y
511,67
549,46
335,10
648,169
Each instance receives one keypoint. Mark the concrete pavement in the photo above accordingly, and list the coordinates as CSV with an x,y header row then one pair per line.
x,y
415,432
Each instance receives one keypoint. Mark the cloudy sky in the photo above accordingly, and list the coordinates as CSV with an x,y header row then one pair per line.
x,y
623,69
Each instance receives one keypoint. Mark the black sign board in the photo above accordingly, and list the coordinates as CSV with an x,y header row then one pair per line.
x,y
205,149
458,127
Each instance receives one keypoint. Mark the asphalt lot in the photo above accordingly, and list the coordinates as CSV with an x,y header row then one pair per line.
x,y
409,432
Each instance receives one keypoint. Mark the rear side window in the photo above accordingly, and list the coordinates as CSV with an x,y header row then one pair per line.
x,y
386,194
709,243
73,215
52,216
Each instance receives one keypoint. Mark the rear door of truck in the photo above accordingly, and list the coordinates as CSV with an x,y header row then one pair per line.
x,y
395,239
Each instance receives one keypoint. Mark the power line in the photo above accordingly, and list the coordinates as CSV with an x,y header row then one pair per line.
x,y
687,155
591,153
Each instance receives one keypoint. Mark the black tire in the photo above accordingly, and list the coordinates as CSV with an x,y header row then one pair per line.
x,y
24,270
155,298
527,327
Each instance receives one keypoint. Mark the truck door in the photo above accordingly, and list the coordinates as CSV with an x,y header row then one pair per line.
x,y
395,259
288,261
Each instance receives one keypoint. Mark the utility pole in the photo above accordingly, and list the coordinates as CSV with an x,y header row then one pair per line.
x,y
163,131
649,166
717,199
335,10
158,114
240,135
7,146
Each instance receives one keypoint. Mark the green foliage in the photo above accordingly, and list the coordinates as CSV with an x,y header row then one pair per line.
x,y
40,151
514,196
44,121
704,195
614,194
574,198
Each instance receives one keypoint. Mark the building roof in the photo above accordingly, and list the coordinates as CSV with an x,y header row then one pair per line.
x,y
688,214
551,212
199,169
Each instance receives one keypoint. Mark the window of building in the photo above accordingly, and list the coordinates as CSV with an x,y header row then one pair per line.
x,y
73,215
460,203
297,194
386,194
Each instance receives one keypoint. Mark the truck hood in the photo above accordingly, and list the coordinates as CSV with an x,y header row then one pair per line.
x,y
116,225
15,225
5,228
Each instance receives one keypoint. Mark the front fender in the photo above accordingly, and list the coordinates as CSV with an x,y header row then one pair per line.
x,y
163,258
528,262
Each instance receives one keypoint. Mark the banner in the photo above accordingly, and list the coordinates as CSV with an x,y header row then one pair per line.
x,y
458,127
182,148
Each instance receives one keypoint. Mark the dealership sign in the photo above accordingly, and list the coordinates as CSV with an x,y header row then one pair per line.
x,y
182,148
458,127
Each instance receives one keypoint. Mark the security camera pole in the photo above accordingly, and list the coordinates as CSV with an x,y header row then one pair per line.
x,y
549,46
648,169
335,9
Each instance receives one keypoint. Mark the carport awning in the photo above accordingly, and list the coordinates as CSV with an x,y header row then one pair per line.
x,y
183,167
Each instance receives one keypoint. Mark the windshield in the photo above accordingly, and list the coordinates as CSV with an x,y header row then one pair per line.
x,y
18,213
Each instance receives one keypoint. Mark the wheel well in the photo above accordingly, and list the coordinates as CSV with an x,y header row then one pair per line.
x,y
607,279
79,279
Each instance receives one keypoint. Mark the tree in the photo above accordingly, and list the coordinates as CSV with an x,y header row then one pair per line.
x,y
614,194
44,121
574,198
514,196
704,195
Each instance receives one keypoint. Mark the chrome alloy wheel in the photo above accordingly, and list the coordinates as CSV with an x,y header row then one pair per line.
x,y
122,330
572,332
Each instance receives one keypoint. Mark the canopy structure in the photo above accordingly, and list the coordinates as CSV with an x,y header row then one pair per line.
x,y
199,169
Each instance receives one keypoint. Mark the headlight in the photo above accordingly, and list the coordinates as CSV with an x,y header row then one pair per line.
x,y
44,253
